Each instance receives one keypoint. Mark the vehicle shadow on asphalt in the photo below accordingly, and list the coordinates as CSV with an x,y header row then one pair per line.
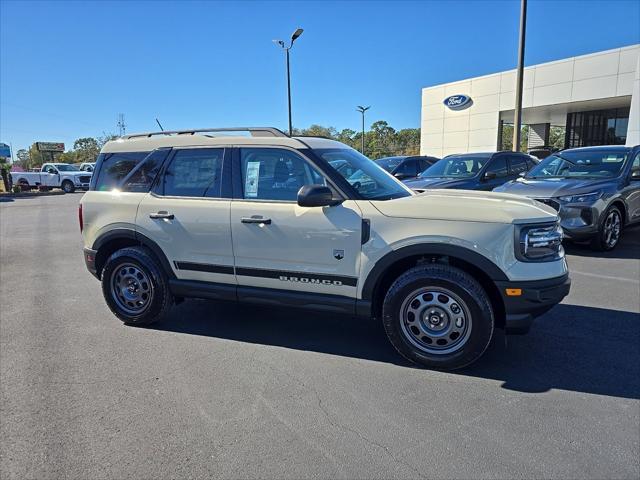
x,y
628,248
582,349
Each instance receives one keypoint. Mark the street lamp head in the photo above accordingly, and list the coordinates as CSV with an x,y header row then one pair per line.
x,y
362,109
279,42
296,34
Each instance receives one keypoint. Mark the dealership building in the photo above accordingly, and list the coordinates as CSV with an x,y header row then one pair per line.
x,y
595,98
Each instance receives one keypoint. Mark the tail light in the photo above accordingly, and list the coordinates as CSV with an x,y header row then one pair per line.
x,y
80,220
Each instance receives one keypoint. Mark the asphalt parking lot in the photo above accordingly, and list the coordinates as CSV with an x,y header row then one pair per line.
x,y
230,391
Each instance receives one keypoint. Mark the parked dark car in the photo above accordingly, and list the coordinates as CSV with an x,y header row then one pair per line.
x,y
596,190
403,167
473,171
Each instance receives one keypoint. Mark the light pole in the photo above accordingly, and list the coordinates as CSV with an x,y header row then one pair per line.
x,y
286,48
517,117
362,109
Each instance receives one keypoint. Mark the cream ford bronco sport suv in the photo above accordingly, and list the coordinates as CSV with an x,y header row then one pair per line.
x,y
252,215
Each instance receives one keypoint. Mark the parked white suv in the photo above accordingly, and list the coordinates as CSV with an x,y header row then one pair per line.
x,y
266,218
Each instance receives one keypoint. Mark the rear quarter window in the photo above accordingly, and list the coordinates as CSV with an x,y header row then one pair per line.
x,y
112,168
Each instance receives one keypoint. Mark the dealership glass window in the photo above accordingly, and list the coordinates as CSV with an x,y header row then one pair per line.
x,y
597,127
194,172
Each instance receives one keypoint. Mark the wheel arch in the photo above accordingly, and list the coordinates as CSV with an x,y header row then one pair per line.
x,y
619,202
114,240
394,263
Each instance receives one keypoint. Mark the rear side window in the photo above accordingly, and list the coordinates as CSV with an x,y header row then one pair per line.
x,y
114,167
194,173
141,177
518,164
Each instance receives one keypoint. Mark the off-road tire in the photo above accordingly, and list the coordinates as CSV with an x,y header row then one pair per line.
x,y
68,186
459,283
599,242
161,298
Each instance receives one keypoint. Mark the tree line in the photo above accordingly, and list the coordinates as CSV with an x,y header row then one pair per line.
x,y
381,140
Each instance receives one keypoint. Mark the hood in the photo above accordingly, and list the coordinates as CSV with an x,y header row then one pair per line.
x,y
467,206
438,182
76,173
553,187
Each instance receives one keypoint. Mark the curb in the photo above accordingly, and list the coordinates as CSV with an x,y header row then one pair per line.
x,y
30,194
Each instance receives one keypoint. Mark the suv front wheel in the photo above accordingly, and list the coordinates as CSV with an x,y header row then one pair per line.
x,y
438,316
135,287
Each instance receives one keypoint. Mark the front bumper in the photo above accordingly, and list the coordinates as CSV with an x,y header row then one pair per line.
x,y
90,261
524,301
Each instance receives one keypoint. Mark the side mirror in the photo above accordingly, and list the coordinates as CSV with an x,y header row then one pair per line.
x,y
489,176
315,196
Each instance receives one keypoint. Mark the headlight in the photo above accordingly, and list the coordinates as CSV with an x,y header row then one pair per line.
x,y
582,198
540,243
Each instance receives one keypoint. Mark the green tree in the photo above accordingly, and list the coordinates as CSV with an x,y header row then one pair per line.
x,y
507,137
23,159
106,137
556,137
86,149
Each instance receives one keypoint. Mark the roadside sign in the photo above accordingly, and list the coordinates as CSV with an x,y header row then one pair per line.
x,y
50,147
5,150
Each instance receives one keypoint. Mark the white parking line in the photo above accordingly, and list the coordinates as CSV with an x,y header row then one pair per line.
x,y
607,277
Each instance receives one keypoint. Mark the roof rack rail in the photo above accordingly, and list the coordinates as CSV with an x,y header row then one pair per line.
x,y
255,132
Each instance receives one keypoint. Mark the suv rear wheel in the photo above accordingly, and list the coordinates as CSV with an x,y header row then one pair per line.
x,y
135,287
438,316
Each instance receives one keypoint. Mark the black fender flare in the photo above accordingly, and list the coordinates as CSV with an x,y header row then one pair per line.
x,y
143,240
429,249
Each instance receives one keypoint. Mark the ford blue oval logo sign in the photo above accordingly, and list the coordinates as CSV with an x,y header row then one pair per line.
x,y
458,102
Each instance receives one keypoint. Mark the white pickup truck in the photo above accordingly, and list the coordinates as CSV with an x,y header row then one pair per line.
x,y
54,175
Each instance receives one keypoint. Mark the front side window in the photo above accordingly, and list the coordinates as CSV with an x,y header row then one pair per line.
x,y
275,174
115,167
67,168
498,166
368,178
456,166
194,173
600,163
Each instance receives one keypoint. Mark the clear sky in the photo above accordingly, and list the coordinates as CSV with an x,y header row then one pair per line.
x,y
69,69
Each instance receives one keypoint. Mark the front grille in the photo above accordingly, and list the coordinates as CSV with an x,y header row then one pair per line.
x,y
551,202
84,178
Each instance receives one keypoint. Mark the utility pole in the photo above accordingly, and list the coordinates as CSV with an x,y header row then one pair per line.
x,y
362,109
121,125
286,48
517,116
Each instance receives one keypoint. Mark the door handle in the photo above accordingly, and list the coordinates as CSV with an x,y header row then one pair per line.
x,y
162,214
256,219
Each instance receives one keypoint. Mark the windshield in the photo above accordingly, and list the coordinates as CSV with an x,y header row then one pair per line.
x,y
364,175
455,167
389,163
580,164
64,167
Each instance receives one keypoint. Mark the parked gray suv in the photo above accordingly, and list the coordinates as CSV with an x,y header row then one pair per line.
x,y
596,191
